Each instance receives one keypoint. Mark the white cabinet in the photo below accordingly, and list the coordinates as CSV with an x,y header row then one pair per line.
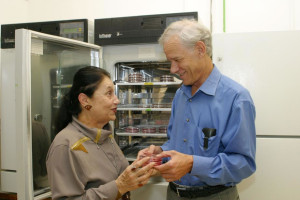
x,y
152,191
277,174
8,114
37,95
267,64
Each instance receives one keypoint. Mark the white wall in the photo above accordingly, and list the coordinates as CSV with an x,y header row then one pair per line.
x,y
13,11
240,15
258,15
19,11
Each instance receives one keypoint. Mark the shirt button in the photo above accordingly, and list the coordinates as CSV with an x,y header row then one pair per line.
x,y
190,100
187,119
184,140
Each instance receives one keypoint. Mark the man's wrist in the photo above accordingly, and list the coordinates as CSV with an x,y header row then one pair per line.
x,y
158,150
191,162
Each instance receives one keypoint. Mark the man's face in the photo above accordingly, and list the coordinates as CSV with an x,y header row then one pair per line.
x,y
184,62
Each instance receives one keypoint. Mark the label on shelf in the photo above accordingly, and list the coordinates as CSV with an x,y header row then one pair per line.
x,y
148,83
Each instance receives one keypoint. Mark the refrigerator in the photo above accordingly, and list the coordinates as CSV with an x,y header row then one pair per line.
x,y
267,63
78,29
145,89
35,76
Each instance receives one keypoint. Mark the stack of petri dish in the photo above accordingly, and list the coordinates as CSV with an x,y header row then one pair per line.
x,y
135,77
162,129
166,78
149,130
132,129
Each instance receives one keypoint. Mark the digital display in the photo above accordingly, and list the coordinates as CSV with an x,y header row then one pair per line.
x,y
72,30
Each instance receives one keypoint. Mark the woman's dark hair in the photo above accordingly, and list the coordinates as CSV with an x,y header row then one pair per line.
x,y
86,80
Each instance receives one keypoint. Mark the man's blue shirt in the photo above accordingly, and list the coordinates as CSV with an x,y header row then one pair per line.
x,y
222,104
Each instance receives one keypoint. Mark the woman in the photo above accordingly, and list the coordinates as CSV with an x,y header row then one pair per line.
x,y
84,161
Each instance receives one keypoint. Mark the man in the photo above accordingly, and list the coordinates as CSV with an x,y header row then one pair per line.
x,y
211,134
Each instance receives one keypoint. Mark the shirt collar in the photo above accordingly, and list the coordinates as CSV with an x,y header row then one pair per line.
x,y
95,134
209,86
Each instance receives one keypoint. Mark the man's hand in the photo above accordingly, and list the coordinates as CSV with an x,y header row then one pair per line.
x,y
179,165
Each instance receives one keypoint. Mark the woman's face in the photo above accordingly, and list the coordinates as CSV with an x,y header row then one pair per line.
x,y
104,102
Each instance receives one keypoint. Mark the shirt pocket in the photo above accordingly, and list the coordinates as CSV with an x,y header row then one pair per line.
x,y
212,144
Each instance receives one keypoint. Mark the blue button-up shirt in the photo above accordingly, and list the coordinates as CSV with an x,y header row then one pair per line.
x,y
222,104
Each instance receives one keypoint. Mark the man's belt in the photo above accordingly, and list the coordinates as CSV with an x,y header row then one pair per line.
x,y
194,192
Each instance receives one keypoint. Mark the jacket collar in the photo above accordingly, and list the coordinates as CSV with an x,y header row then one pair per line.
x,y
95,134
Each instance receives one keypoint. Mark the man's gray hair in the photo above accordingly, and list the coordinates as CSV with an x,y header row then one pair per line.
x,y
189,32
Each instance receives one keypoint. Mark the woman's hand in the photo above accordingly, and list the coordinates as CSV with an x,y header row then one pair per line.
x,y
152,149
147,152
135,175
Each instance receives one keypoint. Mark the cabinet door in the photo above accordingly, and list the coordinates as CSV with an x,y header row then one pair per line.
x,y
271,75
45,66
277,174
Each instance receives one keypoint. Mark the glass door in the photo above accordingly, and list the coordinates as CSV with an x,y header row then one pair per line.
x,y
45,66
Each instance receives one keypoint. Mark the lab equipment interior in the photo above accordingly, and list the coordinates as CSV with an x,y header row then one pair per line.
x,y
254,42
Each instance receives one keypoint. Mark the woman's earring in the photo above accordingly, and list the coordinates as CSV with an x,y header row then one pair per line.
x,y
88,107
